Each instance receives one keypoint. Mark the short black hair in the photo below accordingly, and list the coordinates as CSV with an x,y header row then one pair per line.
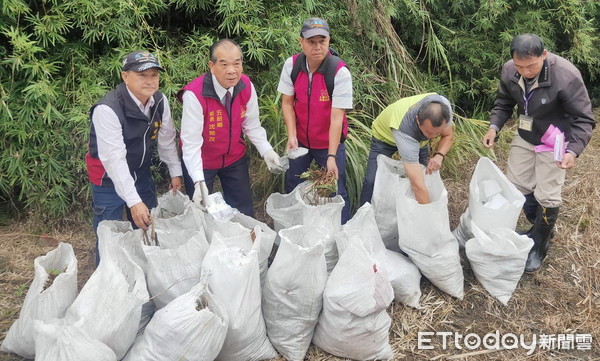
x,y
436,111
526,45
214,47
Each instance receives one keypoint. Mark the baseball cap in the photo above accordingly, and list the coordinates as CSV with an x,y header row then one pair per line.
x,y
313,27
139,61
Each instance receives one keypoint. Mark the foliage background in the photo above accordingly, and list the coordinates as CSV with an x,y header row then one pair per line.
x,y
58,57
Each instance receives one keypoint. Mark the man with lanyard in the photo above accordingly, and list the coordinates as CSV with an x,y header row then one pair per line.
x,y
314,118
552,103
407,126
125,127
218,108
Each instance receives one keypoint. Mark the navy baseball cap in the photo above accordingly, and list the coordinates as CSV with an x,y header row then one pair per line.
x,y
313,27
139,61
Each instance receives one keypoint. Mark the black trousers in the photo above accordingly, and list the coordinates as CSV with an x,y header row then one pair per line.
x,y
235,180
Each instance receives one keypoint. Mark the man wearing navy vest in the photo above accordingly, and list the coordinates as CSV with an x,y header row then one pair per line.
x,y
126,125
220,107
314,118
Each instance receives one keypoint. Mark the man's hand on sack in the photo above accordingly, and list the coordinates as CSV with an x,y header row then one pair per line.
x,y
141,215
200,198
273,162
435,163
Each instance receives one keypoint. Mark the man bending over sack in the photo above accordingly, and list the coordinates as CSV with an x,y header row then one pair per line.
x,y
408,126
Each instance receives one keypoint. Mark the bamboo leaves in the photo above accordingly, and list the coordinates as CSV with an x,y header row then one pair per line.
x,y
49,29
58,57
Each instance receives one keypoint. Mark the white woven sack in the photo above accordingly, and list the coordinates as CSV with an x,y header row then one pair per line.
x,y
505,215
43,303
362,229
354,322
191,218
110,303
236,234
267,240
170,205
173,272
424,235
405,278
295,209
190,328
285,209
293,292
327,214
122,234
387,180
498,259
233,277
320,211
55,340
268,235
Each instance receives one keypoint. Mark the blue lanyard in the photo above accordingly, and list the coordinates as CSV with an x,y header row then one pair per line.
x,y
526,100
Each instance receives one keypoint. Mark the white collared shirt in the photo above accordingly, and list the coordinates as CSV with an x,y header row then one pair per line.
x,y
192,125
342,85
112,151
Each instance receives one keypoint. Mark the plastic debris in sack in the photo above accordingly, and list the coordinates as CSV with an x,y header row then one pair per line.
x,y
494,202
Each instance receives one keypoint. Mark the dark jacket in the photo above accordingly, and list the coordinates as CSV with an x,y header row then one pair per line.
x,y
558,98
139,135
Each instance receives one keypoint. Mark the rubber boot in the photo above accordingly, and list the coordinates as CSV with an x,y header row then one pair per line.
x,y
545,219
529,208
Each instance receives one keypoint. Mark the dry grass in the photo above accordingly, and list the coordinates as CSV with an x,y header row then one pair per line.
x,y
19,248
564,297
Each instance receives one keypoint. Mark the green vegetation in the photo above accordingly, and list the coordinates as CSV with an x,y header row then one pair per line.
x,y
58,57
54,272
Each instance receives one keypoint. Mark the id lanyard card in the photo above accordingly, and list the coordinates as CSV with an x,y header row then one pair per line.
x,y
525,121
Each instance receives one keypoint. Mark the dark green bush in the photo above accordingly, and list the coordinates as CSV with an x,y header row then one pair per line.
x,y
58,57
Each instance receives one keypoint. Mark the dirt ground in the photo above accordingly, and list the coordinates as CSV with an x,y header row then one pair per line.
x,y
562,298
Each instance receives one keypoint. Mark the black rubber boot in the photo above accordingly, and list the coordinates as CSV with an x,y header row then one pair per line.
x,y
529,208
541,232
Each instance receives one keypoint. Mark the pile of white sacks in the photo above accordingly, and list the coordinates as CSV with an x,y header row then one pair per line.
x,y
202,289
497,254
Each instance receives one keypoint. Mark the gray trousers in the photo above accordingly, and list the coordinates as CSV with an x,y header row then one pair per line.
x,y
535,173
